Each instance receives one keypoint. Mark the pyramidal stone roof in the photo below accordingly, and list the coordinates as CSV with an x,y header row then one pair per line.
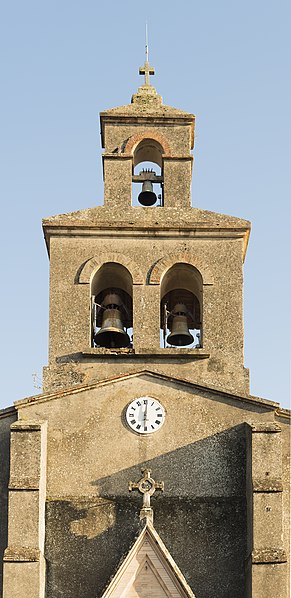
x,y
145,101
148,570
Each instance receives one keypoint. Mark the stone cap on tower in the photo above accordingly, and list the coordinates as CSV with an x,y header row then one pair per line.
x,y
147,132
147,104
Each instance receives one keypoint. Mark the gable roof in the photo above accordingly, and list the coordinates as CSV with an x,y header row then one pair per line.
x,y
218,392
148,564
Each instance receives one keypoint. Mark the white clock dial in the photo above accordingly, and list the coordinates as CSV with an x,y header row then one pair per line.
x,y
145,415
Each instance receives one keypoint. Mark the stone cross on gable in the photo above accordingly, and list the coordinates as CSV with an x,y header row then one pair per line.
x,y
146,486
146,70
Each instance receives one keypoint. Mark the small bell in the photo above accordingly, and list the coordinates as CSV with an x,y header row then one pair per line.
x,y
147,197
112,334
179,335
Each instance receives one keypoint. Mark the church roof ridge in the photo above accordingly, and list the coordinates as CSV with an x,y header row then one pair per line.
x,y
76,389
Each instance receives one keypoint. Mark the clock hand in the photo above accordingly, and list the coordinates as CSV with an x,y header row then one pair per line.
x,y
146,412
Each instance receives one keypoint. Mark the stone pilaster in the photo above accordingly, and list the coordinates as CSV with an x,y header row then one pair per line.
x,y
117,170
269,567
24,564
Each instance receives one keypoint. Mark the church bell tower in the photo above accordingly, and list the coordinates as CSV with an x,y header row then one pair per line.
x,y
146,281
146,468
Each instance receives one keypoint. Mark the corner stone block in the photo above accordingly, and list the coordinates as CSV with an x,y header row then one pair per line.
x,y
269,569
267,458
267,521
24,579
23,528
270,581
25,464
24,564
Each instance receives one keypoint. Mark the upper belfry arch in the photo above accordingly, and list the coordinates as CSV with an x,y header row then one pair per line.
x,y
94,263
180,257
147,131
148,145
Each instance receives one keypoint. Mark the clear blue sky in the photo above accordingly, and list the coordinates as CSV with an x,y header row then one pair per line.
x,y
65,61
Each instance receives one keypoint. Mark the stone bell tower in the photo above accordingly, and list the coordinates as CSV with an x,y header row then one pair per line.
x,y
171,274
145,377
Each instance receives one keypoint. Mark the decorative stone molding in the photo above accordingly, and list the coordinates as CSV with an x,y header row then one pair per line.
x,y
22,554
133,141
265,427
269,555
179,257
94,263
267,485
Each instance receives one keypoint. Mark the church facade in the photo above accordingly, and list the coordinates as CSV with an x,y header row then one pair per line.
x,y
145,468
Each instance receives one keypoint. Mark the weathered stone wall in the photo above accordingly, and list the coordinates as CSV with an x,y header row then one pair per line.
x,y
224,515
70,318
203,454
177,136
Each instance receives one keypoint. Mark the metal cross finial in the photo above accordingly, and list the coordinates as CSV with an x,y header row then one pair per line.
x,y
146,43
146,486
146,70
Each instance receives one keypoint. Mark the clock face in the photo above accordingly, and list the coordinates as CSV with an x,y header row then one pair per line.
x,y
145,415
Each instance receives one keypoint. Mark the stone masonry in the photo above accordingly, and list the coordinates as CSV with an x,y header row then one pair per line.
x,y
68,454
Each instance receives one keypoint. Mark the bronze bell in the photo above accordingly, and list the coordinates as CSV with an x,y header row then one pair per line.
x,y
112,334
180,335
147,197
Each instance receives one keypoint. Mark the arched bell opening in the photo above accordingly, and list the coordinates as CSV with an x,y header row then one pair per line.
x,y
181,307
147,175
111,298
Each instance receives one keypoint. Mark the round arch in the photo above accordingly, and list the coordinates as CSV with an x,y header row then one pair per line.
x,y
186,257
151,135
94,263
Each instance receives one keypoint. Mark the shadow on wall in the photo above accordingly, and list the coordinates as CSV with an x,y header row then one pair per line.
x,y
201,517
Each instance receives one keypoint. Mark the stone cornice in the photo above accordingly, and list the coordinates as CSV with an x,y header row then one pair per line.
x,y
130,229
